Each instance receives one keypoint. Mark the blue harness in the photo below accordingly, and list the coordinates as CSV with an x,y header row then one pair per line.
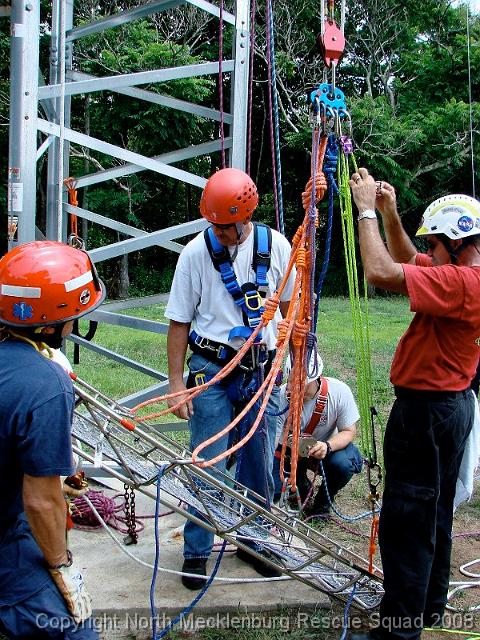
x,y
250,296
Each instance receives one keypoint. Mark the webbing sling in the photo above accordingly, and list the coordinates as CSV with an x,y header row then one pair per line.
x,y
319,408
249,296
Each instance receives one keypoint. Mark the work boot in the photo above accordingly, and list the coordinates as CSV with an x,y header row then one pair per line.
x,y
261,567
197,566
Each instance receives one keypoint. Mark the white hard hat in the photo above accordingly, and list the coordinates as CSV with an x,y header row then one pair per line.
x,y
456,216
315,367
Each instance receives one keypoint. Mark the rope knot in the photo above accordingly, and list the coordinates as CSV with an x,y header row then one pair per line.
x,y
300,330
271,305
282,331
301,260
308,195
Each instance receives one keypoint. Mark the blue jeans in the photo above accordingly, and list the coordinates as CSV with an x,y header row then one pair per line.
x,y
339,468
43,616
212,411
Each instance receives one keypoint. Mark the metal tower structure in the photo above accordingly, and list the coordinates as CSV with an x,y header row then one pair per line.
x,y
40,122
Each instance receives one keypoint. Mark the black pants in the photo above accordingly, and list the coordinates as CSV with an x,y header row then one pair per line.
x,y
423,447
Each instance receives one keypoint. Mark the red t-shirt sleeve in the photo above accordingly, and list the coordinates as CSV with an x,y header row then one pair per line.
x,y
436,291
422,260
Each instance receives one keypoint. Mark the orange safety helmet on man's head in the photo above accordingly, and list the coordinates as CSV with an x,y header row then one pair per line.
x,y
47,283
230,196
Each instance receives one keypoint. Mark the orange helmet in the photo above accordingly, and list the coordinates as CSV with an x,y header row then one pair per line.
x,y
230,196
45,283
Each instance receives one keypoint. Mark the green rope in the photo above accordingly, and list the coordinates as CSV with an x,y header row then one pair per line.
x,y
473,634
360,319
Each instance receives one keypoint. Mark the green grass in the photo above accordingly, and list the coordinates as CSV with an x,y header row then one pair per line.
x,y
388,319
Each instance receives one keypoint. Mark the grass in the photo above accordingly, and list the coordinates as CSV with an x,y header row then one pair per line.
x,y
388,318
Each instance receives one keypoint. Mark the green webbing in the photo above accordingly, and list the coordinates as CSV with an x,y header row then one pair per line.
x,y
360,319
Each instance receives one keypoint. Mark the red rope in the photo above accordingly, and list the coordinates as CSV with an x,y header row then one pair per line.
x,y
220,83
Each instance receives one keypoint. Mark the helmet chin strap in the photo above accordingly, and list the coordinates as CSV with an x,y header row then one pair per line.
x,y
53,340
240,227
453,253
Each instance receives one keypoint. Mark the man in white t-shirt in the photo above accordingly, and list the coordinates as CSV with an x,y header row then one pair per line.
x,y
214,322
329,420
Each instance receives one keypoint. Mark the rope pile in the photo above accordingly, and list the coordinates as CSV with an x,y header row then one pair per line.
x,y
109,509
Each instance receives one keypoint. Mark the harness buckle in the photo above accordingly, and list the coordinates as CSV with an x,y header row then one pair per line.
x,y
220,352
202,342
199,379
253,300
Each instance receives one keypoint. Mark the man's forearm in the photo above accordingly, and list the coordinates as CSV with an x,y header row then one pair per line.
x,y
341,439
45,509
400,247
177,342
380,269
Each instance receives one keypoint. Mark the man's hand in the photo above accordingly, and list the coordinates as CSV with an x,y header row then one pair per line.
x,y
72,587
75,485
363,189
185,410
318,451
386,200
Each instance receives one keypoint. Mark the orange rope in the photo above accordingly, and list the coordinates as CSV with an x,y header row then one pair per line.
x,y
71,185
373,542
293,328
303,320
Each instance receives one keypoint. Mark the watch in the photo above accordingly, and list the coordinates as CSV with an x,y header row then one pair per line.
x,y
329,448
369,213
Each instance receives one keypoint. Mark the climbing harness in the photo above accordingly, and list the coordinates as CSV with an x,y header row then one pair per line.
x,y
250,296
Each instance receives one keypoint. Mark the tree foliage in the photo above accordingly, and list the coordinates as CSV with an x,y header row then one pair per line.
x,y
404,73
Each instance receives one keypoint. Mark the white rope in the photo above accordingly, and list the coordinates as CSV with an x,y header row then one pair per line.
x,y
470,102
61,118
172,571
463,585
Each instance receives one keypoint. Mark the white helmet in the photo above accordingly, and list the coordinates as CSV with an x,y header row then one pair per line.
x,y
456,216
315,367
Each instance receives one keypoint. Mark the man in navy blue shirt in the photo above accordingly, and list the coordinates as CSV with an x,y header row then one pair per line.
x,y
44,286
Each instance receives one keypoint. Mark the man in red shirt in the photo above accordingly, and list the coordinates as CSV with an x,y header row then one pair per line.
x,y
432,415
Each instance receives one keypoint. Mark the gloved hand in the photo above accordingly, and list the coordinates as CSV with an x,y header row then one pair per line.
x,y
70,583
75,485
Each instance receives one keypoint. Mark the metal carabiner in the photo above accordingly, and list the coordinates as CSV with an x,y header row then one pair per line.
x,y
373,486
287,498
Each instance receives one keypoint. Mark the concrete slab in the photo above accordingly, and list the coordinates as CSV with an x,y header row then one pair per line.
x,y
120,587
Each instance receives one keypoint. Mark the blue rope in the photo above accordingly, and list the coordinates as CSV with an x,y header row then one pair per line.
x,y
311,341
278,163
198,597
275,415
329,169
342,516
345,612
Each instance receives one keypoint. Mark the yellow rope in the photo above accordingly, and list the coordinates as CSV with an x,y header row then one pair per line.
x,y
41,347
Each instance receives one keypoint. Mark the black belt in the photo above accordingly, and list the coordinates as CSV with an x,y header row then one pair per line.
x,y
216,352
403,393
220,353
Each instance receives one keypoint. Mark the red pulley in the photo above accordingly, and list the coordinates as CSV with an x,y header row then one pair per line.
x,y
331,43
